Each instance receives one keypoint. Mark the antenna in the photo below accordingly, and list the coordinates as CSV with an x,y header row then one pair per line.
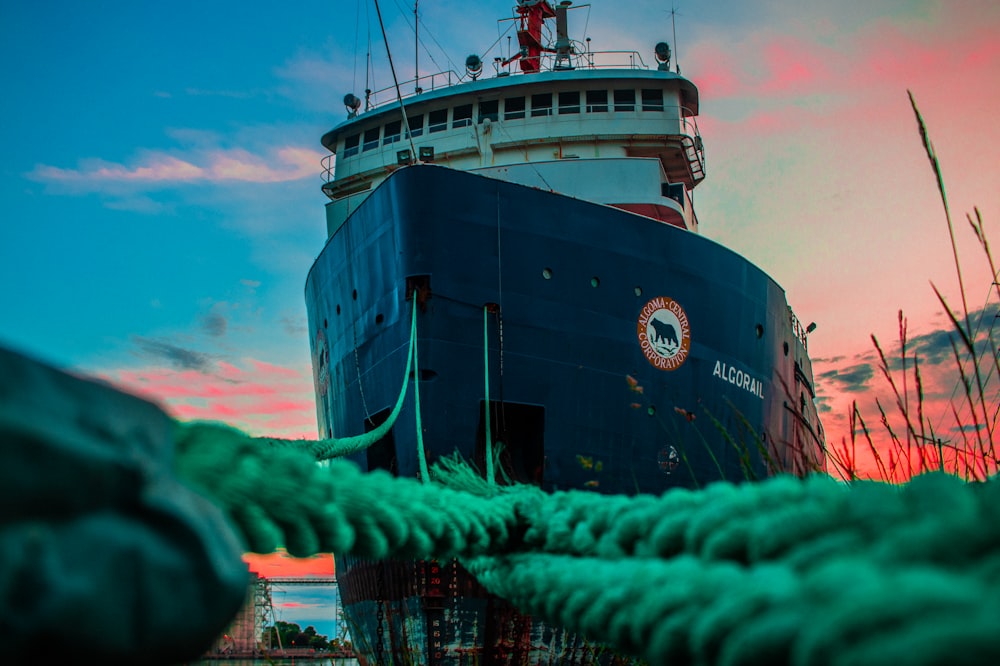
x,y
673,24
392,68
416,49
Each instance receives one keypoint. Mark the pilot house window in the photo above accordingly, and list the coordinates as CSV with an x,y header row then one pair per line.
x,y
597,101
624,100
652,100
569,102
351,145
489,109
393,132
437,121
416,124
462,116
541,105
371,139
513,108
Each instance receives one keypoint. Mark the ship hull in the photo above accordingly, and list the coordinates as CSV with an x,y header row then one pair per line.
x,y
620,354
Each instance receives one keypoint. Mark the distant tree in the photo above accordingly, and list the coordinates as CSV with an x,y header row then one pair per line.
x,y
287,632
292,635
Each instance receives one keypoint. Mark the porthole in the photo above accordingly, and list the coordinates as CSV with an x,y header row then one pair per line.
x,y
338,309
354,294
324,323
379,319
595,282
651,410
760,331
637,291
547,273
786,348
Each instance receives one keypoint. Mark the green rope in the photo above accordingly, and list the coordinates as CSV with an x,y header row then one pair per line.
x,y
486,374
782,571
280,496
338,447
425,475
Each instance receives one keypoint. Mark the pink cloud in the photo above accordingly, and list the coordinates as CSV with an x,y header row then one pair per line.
x,y
157,167
985,54
258,397
941,425
262,368
295,604
887,57
218,166
792,67
714,72
281,564
772,66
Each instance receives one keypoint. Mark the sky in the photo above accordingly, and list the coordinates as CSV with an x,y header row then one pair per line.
x,y
160,178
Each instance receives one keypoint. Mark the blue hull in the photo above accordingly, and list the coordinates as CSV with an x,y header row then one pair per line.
x,y
625,356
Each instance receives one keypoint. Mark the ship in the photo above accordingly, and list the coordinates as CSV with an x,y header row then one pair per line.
x,y
537,224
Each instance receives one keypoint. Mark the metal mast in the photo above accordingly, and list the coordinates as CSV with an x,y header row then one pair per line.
x,y
416,49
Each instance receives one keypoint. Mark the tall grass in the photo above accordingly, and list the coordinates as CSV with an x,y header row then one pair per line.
x,y
910,444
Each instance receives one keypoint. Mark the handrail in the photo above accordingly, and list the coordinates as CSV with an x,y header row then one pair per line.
x,y
449,75
546,61
328,168
798,330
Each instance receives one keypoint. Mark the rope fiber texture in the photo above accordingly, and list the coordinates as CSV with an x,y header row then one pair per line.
x,y
782,571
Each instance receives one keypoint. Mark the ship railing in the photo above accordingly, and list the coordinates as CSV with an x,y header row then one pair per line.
x,y
610,60
799,330
328,164
546,62
412,87
694,147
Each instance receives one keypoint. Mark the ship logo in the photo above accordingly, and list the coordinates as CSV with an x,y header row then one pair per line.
x,y
664,333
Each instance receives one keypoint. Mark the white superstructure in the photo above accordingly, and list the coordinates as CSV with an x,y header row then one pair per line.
x,y
624,136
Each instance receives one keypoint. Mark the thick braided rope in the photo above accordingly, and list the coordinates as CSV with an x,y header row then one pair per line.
x,y
782,571
686,610
935,518
280,496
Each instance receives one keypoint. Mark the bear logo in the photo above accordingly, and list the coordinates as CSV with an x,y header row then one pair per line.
x,y
664,333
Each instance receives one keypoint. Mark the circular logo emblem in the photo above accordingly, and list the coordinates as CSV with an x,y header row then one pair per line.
x,y
321,363
668,459
664,333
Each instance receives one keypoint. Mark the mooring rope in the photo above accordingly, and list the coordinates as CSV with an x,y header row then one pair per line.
x,y
781,571
425,474
686,610
486,375
338,447
279,496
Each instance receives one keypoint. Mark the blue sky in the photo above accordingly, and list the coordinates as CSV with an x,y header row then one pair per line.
x,y
160,173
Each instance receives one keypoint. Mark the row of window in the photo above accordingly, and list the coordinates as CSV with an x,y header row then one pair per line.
x,y
514,108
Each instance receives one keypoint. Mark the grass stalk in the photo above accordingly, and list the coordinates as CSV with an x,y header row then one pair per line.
x,y
918,430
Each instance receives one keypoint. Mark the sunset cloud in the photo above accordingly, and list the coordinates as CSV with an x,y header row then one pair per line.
x,y
157,167
954,415
254,395
852,379
178,357
283,564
